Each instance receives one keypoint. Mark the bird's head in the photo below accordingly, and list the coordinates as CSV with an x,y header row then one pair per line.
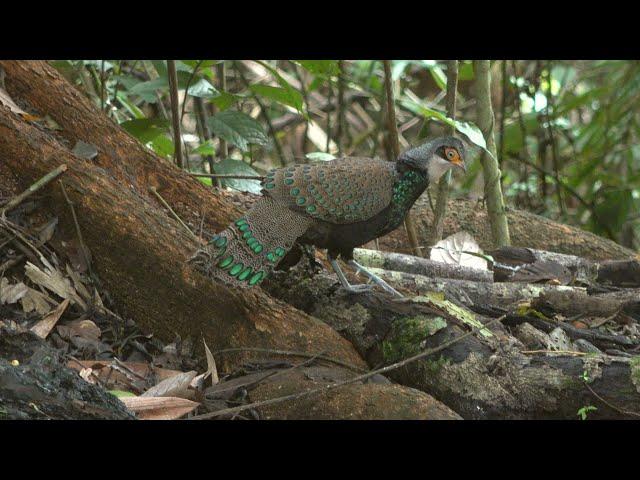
x,y
435,157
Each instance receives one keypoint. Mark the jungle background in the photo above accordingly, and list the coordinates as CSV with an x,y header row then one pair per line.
x,y
566,131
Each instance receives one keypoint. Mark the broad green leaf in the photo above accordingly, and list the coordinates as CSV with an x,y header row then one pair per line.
x,y
145,129
203,89
237,167
205,149
283,83
225,99
163,146
147,90
465,70
290,97
238,129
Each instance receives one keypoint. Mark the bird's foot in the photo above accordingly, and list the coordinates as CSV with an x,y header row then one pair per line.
x,y
374,278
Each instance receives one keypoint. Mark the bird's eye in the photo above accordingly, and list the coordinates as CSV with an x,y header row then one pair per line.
x,y
451,154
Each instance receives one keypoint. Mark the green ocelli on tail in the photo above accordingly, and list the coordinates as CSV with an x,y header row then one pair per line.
x,y
238,270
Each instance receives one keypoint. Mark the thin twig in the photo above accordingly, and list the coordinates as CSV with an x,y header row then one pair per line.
x,y
393,138
83,246
175,114
227,175
292,354
617,409
174,214
444,183
48,178
357,378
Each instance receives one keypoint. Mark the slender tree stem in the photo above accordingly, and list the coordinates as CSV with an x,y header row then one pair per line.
x,y
445,181
175,112
395,145
491,171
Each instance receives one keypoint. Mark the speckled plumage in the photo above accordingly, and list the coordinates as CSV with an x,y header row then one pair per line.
x,y
337,205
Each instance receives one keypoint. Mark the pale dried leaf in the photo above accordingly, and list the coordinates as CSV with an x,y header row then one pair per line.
x,y
11,293
453,251
85,329
38,301
112,377
211,365
78,284
87,375
159,408
44,326
175,386
7,101
53,280
48,229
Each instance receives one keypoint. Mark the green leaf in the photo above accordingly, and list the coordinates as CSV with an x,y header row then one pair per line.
x,y
147,90
320,67
205,149
163,146
283,83
290,97
145,129
203,89
238,128
230,166
225,99
465,70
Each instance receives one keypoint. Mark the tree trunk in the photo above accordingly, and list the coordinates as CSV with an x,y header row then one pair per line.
x,y
139,251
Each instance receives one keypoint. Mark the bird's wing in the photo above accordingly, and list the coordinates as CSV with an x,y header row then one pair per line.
x,y
345,190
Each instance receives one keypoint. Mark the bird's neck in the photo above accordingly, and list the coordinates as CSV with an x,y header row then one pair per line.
x,y
406,190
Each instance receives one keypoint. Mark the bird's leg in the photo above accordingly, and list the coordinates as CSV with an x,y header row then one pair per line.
x,y
376,279
344,282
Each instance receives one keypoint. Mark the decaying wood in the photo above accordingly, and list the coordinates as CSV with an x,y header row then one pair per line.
x,y
139,251
470,293
418,265
478,377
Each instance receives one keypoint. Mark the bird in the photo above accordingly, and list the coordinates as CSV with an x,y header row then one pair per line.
x,y
336,205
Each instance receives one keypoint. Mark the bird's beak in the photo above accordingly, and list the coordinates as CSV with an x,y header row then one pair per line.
x,y
460,164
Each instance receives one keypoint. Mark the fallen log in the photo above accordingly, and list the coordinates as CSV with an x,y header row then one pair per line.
x,y
419,265
478,377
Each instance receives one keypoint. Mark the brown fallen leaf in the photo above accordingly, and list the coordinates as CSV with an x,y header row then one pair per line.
x,y
44,326
6,100
176,386
159,408
85,329
111,377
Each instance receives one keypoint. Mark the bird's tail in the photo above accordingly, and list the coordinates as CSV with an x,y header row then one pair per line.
x,y
248,250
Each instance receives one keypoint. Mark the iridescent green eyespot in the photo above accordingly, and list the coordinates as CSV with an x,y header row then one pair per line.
x,y
295,191
226,262
245,273
288,181
220,242
280,251
236,269
256,278
301,200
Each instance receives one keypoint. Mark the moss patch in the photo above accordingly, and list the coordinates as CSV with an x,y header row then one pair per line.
x,y
437,300
407,336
